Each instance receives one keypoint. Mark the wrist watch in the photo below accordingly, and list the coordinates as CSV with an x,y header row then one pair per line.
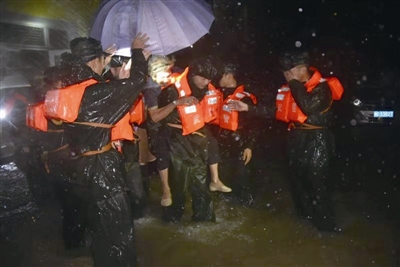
x,y
174,102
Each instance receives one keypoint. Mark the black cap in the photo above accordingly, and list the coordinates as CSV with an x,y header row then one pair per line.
x,y
86,49
205,67
293,58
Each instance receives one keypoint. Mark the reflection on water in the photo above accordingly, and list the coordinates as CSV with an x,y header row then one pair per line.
x,y
262,237
265,234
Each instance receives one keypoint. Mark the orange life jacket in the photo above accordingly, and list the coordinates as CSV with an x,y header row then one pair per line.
x,y
122,130
287,109
138,113
229,119
63,104
194,117
35,117
211,103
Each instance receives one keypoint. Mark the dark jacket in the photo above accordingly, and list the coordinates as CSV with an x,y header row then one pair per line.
x,y
316,105
103,102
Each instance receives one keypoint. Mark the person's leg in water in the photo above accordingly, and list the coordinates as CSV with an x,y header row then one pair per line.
x,y
145,157
213,158
163,160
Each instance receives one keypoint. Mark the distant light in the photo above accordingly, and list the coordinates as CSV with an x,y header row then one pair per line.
x,y
239,4
331,72
313,34
323,54
297,44
2,113
300,9
335,14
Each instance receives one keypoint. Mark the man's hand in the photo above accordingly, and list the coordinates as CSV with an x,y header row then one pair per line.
x,y
187,101
247,155
146,54
111,51
289,75
125,70
238,105
140,41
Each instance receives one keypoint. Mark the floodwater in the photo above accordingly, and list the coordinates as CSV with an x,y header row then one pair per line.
x,y
264,234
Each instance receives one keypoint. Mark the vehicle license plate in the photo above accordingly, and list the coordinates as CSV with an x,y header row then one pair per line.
x,y
383,114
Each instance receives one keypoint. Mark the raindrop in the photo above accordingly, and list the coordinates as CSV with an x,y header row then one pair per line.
x,y
297,44
313,34
379,171
323,54
331,72
300,9
239,4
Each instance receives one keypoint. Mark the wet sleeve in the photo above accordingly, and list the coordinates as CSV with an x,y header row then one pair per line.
x,y
250,131
318,100
150,95
266,111
108,102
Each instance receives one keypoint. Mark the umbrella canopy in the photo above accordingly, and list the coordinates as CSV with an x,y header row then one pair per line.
x,y
171,25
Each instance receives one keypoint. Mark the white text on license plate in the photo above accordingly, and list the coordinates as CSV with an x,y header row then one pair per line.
x,y
383,114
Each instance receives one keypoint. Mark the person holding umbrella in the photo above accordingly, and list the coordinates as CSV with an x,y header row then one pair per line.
x,y
95,166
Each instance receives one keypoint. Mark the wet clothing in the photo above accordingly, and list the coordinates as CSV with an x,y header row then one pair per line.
x,y
310,153
157,136
100,179
135,181
188,169
231,145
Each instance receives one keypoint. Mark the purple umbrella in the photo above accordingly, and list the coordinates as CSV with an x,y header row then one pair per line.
x,y
171,25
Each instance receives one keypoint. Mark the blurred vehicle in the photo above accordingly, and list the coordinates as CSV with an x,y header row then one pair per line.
x,y
376,111
368,104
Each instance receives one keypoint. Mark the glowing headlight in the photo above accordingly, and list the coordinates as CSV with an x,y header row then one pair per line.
x,y
357,102
2,113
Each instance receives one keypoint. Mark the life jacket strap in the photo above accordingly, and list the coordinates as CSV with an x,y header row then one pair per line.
x,y
55,131
94,124
95,152
180,127
305,126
